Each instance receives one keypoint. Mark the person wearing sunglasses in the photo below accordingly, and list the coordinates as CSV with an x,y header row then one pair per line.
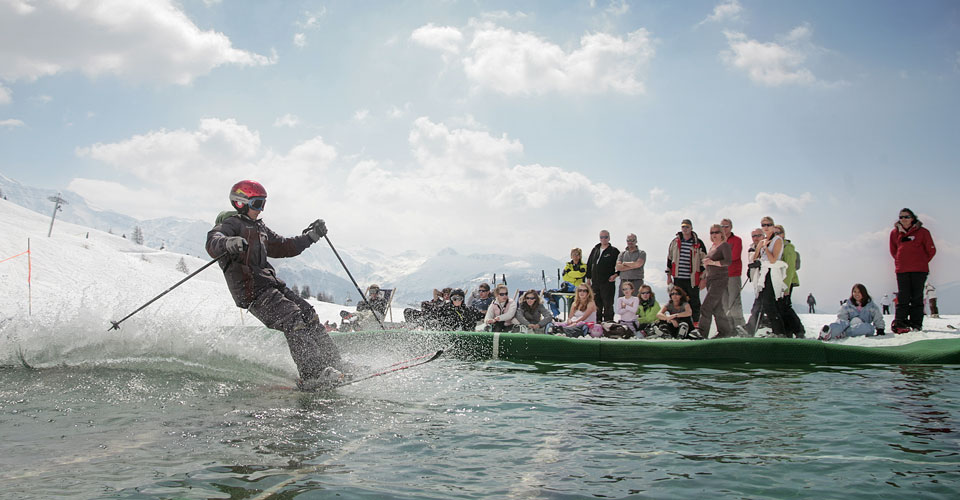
x,y
647,310
912,248
253,282
769,284
674,321
456,315
685,264
791,321
602,275
481,299
583,315
716,262
502,311
630,264
532,313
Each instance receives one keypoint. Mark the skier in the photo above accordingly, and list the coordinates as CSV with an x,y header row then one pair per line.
x,y
254,285
912,248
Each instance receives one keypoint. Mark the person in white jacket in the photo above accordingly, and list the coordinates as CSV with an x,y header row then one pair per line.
x,y
859,316
769,283
500,314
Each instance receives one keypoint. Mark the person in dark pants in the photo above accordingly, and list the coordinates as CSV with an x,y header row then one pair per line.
x,y
769,252
253,283
684,264
602,276
811,303
912,248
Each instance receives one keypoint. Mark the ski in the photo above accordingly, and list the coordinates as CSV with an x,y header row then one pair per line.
x,y
400,365
395,367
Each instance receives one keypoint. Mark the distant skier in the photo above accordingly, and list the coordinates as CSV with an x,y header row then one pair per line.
x,y
931,294
811,303
885,303
254,285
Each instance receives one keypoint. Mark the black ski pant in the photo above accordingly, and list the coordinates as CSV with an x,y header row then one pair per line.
x,y
310,345
765,306
909,311
693,292
603,296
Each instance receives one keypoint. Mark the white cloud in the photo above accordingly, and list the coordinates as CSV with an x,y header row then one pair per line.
x,y
287,120
398,112
11,123
767,204
727,11
617,7
139,41
445,38
300,40
515,63
361,115
6,95
768,63
658,195
502,15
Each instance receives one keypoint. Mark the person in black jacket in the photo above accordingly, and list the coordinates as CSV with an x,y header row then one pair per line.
x,y
602,276
253,283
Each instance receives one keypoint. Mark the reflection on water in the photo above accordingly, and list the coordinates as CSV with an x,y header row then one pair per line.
x,y
465,429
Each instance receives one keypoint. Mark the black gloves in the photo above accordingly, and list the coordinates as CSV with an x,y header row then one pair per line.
x,y
880,332
316,230
236,245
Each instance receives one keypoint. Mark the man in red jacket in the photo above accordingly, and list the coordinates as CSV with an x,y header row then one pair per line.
x,y
732,303
912,248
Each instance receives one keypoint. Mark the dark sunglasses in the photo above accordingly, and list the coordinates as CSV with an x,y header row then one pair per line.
x,y
672,294
530,298
484,291
258,202
906,217
756,235
456,297
645,293
604,237
583,291
503,294
714,232
766,224
725,226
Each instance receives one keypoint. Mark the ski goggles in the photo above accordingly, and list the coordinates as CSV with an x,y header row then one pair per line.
x,y
258,202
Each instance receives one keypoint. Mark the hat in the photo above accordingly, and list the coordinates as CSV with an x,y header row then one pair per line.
x,y
686,222
457,293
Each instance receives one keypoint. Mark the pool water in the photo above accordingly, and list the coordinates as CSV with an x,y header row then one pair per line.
x,y
482,429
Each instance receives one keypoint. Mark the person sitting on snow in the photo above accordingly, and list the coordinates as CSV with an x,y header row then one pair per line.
x,y
859,316
245,242
429,314
372,309
457,316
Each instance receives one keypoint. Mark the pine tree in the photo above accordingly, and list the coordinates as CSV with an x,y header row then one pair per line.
x,y
138,235
182,266
306,292
325,297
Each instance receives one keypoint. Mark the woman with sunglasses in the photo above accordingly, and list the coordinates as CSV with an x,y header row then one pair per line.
x,y
502,311
647,311
912,248
675,318
769,284
456,315
532,313
717,264
583,314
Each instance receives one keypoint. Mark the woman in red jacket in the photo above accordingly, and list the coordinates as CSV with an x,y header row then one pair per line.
x,y
912,248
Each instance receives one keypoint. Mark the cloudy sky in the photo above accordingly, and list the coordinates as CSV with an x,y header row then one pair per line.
x,y
502,126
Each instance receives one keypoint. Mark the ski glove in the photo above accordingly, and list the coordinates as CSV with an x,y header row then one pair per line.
x,y
236,245
316,230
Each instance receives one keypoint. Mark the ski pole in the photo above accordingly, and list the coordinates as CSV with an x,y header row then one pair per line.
x,y
543,276
362,295
116,324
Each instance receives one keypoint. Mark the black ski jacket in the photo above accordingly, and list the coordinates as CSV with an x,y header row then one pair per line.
x,y
249,274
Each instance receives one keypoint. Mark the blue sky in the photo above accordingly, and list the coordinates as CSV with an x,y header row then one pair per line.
x,y
502,126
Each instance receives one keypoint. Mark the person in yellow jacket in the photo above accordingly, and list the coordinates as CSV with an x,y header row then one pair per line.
x,y
574,273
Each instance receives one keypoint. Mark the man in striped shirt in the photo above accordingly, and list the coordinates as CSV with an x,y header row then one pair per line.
x,y
684,264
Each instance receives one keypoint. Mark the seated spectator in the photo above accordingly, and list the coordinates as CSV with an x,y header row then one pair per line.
x,y
532,313
647,311
501,313
371,311
481,299
858,317
675,319
583,314
456,316
573,274
428,315
626,306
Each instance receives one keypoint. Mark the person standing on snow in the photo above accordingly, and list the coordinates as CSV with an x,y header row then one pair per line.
x,y
912,248
602,275
812,303
253,283
684,266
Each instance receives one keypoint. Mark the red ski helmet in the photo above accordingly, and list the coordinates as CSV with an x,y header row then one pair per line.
x,y
243,192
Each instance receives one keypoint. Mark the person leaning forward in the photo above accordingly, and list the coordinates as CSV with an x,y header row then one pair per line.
x,y
253,282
